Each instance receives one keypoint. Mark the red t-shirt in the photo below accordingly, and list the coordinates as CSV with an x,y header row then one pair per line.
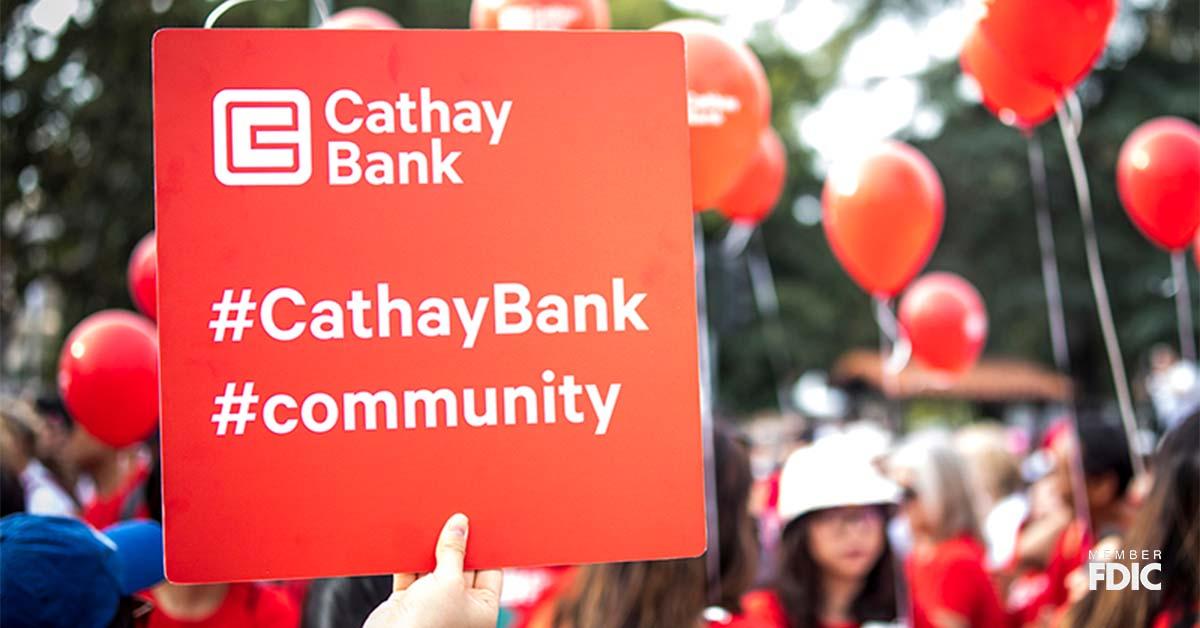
x,y
1037,594
246,605
121,504
764,607
951,577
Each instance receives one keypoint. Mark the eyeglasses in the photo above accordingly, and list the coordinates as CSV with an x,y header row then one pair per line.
x,y
842,518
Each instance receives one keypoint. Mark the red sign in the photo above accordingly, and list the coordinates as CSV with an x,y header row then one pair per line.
x,y
404,274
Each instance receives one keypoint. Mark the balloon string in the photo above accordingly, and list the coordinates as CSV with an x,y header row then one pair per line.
x,y
1183,307
766,301
1045,234
894,353
888,325
1054,308
736,239
713,556
900,349
322,7
1096,275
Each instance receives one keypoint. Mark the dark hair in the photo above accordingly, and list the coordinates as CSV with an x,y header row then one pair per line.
x,y
1181,441
1167,522
1104,450
343,602
799,586
672,592
12,494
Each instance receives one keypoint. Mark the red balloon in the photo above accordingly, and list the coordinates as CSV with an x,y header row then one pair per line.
x,y
729,105
142,276
945,320
360,18
756,193
1051,42
108,376
1011,97
539,14
1158,178
883,215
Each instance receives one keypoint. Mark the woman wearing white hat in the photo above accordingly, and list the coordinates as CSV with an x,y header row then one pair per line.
x,y
835,565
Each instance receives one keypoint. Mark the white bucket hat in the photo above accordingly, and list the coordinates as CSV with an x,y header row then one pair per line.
x,y
830,474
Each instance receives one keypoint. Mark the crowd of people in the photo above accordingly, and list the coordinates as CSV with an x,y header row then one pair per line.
x,y
939,528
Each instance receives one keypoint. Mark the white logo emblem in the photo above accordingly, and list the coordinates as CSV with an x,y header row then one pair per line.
x,y
262,137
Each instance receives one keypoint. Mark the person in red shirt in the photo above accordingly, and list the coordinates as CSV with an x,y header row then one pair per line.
x,y
1166,523
949,586
117,476
1100,453
835,564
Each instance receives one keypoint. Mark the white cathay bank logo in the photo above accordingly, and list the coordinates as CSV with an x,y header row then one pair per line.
x,y
262,137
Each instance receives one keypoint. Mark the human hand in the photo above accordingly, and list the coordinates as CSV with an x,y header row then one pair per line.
x,y
448,597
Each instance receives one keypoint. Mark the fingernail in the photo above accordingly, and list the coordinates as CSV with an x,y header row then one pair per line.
x,y
457,525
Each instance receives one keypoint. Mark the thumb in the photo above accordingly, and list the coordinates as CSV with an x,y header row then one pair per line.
x,y
452,546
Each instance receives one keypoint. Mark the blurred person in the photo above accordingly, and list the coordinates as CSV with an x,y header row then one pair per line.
x,y
235,605
22,431
448,597
111,481
1042,536
670,592
1169,521
59,571
1107,471
835,565
1173,385
985,449
1042,591
56,432
344,602
949,586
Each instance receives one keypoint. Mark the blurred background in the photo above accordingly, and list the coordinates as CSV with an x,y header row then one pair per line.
x,y
76,192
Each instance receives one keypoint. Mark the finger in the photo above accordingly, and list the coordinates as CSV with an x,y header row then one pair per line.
x,y
490,580
402,581
469,579
452,546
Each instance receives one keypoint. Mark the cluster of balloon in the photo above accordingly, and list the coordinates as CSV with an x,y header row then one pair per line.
x,y
108,376
883,214
1158,180
759,188
944,319
1026,54
142,276
362,18
729,106
539,14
